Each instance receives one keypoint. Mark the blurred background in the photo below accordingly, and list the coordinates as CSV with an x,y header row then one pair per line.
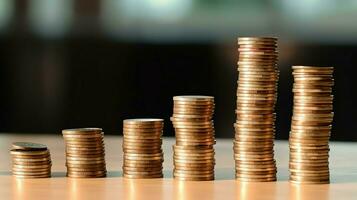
x,y
80,63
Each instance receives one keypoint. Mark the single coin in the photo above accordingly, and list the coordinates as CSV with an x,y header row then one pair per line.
x,y
85,176
82,131
193,98
44,169
134,176
28,153
255,179
193,179
208,147
139,167
28,146
30,173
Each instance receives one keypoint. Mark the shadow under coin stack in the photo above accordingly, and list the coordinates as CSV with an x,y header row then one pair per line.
x,y
143,155
194,130
256,99
311,124
30,160
85,153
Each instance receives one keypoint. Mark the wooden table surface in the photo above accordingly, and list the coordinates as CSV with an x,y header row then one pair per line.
x,y
343,164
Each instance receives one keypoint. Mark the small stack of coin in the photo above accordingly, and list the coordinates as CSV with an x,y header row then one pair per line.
x,y
256,99
143,155
311,124
85,153
194,130
30,160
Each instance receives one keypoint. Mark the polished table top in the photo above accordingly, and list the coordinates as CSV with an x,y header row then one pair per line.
x,y
343,164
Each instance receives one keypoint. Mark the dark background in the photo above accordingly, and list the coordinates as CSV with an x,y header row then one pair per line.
x,y
76,63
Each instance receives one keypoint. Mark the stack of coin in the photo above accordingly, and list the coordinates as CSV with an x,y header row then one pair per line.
x,y
256,99
30,160
311,124
193,152
143,155
85,153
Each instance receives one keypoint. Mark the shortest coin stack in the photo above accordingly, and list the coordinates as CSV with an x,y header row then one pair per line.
x,y
85,153
30,160
194,130
143,155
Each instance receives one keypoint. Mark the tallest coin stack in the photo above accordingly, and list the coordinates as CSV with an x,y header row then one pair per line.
x,y
256,98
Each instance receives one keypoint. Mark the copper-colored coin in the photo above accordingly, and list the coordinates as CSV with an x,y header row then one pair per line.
x,y
28,146
134,176
82,131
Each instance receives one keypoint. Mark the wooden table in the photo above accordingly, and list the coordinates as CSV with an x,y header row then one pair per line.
x,y
343,164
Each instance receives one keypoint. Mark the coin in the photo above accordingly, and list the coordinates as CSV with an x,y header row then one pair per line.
x,y
82,131
141,176
256,99
194,130
311,124
28,146
30,160
143,156
85,152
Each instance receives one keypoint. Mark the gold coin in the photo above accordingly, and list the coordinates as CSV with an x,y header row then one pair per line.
x,y
86,161
180,174
31,159
82,131
188,143
143,162
44,169
28,153
134,176
136,172
142,166
193,172
86,173
193,152
86,166
30,173
139,121
135,131
193,98
194,165
255,179
193,157
201,117
194,161
30,167
194,179
242,175
28,146
85,176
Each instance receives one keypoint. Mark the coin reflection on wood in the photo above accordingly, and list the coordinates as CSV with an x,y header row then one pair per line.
x,y
311,124
143,155
30,160
85,152
256,99
194,131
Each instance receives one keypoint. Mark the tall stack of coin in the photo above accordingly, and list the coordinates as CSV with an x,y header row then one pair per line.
x,y
256,98
85,153
143,155
30,160
311,124
194,129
